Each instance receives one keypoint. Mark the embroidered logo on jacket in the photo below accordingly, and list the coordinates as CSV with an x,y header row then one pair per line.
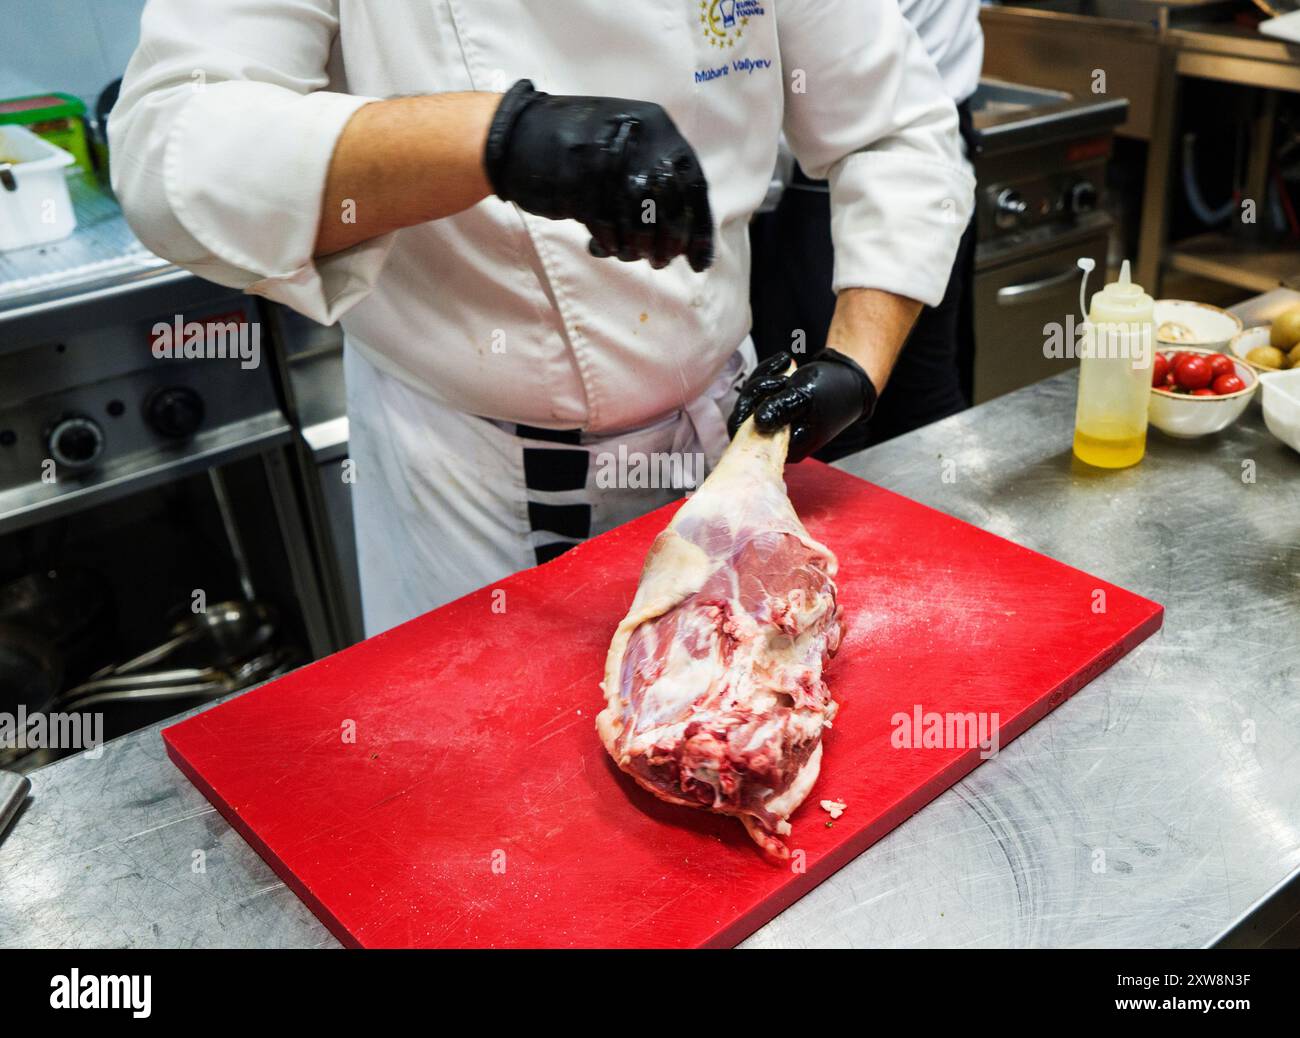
x,y
723,22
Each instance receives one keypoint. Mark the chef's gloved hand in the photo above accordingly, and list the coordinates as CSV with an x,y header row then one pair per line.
x,y
823,397
600,160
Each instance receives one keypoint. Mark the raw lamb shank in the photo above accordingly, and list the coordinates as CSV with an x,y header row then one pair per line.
x,y
714,678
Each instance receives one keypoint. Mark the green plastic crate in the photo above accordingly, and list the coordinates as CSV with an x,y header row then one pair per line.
x,y
59,118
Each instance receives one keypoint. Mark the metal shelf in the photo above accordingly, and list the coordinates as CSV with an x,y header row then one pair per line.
x,y
30,503
1223,258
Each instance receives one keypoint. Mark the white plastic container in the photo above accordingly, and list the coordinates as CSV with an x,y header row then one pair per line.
x,y
1281,391
35,206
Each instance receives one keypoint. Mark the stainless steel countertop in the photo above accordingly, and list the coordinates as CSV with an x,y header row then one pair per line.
x,y
102,257
1153,808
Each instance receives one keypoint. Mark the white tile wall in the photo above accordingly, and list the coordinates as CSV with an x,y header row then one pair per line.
x,y
76,46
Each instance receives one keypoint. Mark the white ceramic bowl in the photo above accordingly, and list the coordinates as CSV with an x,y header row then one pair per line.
x,y
1281,391
1187,417
1243,343
1208,326
1246,341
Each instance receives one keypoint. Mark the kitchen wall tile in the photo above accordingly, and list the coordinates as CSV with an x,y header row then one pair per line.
x,y
76,46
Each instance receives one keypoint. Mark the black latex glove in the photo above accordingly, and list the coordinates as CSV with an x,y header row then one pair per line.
x,y
598,160
825,395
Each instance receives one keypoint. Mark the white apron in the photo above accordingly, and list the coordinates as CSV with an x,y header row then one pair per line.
x,y
442,500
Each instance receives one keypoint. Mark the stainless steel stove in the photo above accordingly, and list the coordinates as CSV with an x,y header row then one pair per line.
x,y
1041,174
145,450
88,412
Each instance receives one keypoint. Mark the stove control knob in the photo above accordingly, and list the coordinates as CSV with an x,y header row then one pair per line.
x,y
76,442
175,412
1011,207
1082,198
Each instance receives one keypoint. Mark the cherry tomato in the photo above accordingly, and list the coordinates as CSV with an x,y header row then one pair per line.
x,y
1221,364
1203,392
1225,384
1159,369
1192,371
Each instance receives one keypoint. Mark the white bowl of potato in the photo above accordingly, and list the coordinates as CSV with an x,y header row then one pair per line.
x,y
1271,347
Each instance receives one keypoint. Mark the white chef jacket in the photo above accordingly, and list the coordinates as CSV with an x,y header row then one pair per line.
x,y
950,31
230,110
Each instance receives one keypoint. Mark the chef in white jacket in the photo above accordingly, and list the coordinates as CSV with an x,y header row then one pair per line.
x,y
356,161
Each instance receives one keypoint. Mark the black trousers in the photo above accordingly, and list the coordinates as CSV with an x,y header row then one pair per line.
x,y
790,293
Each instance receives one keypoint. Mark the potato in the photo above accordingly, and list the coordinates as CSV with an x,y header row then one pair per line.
x,y
1267,357
1294,355
1285,332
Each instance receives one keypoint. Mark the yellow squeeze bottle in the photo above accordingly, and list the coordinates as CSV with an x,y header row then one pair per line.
x,y
1110,422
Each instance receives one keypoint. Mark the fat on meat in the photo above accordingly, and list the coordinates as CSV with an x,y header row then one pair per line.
x,y
714,680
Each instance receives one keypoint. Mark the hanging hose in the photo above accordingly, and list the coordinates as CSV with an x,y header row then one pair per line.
x,y
1208,216
1290,219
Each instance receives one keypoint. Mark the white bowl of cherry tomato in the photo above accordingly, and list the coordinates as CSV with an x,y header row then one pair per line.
x,y
1195,392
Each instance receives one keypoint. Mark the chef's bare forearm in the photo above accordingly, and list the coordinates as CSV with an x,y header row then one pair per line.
x,y
871,326
402,162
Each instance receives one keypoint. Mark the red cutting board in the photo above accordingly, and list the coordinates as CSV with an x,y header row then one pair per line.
x,y
476,807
